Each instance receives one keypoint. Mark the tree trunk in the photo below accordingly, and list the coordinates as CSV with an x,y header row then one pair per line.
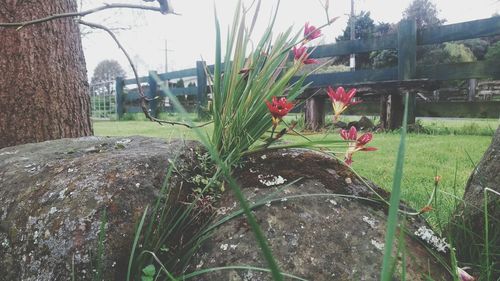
x,y
314,113
468,226
43,82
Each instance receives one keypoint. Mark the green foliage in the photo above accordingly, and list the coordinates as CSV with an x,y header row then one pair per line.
x,y
447,53
167,232
239,113
478,46
424,12
364,27
493,52
458,53
148,273
179,83
384,28
384,58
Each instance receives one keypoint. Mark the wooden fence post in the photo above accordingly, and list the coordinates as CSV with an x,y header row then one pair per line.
x,y
472,89
383,111
407,60
119,84
314,113
153,95
202,87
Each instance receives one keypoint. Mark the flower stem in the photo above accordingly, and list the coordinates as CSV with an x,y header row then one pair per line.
x,y
273,129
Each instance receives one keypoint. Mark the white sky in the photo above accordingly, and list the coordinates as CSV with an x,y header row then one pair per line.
x,y
191,35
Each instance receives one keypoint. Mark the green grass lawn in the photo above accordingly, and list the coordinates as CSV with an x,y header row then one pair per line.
x,y
450,156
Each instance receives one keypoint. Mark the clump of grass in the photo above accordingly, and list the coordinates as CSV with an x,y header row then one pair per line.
x,y
239,112
168,232
456,127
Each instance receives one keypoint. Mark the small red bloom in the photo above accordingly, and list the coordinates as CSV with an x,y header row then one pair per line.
x,y
300,54
426,209
311,32
279,107
341,100
464,276
355,143
437,179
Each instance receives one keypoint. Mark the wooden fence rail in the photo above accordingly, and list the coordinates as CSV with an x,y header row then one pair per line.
x,y
395,80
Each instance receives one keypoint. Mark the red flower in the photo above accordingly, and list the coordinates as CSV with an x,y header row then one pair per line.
x,y
355,143
300,54
341,100
464,276
437,179
311,32
426,209
279,107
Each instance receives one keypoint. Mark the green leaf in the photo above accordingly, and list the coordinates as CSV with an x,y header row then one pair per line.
x,y
149,270
392,220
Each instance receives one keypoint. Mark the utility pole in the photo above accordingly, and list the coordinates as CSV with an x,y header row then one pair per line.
x,y
352,24
166,55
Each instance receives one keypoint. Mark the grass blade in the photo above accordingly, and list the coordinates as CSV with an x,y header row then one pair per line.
x,y
208,270
392,220
136,240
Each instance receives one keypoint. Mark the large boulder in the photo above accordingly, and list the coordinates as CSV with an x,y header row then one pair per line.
x,y
53,194
468,225
325,226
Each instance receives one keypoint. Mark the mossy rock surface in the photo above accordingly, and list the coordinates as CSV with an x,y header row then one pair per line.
x,y
52,198
334,235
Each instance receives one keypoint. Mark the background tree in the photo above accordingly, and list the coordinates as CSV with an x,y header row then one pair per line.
x,y
107,70
493,52
424,12
43,86
478,46
364,28
448,53
384,58
179,83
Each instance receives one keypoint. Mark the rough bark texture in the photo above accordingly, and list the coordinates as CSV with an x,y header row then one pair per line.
x,y
468,225
314,113
52,197
319,238
43,82
392,111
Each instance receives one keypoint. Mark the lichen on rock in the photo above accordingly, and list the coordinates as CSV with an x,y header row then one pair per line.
x,y
53,194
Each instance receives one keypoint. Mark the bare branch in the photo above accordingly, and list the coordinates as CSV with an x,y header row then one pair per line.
x,y
143,97
79,14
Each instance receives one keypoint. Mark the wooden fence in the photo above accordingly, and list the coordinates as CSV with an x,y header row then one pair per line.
x,y
394,80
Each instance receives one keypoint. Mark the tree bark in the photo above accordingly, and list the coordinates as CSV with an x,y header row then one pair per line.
x,y
467,228
314,113
43,81
394,111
